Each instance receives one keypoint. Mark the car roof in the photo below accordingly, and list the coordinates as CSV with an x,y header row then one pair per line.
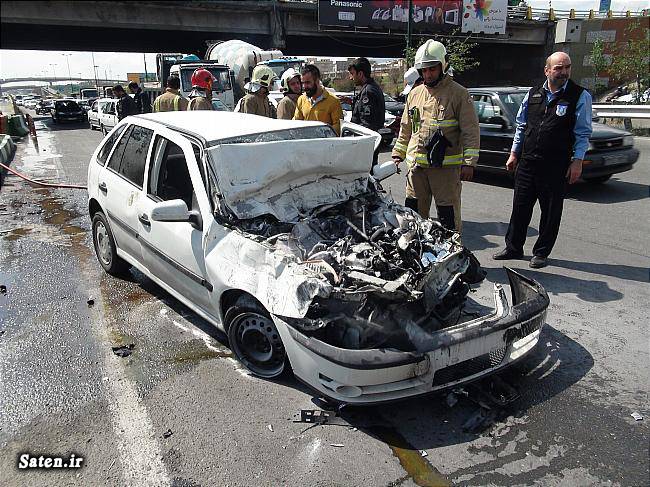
x,y
216,125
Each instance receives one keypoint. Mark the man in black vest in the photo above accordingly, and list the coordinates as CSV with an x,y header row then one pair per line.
x,y
553,130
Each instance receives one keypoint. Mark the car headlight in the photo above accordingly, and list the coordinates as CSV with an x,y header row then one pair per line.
x,y
628,141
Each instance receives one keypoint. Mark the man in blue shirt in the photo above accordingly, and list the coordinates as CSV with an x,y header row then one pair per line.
x,y
552,136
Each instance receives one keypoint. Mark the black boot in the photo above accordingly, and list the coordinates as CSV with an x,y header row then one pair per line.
x,y
411,203
446,217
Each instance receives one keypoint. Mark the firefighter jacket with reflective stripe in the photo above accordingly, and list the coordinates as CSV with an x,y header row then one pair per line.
x,y
447,106
257,105
200,103
170,101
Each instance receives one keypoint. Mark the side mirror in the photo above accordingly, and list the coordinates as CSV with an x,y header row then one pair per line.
x,y
176,211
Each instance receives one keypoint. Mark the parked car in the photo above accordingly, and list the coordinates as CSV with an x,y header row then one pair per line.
x,y
611,150
107,114
97,110
304,261
66,111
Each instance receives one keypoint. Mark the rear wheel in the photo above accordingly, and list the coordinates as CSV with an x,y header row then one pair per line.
x,y
599,179
105,247
255,340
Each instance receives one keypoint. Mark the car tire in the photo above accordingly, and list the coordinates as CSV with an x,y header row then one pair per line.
x,y
255,340
599,179
105,247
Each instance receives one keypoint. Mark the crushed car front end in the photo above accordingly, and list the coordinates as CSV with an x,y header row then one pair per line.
x,y
446,357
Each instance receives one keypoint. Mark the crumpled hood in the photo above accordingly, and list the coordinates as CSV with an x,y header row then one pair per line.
x,y
288,179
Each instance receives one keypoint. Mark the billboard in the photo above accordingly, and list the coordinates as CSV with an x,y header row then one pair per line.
x,y
485,16
384,15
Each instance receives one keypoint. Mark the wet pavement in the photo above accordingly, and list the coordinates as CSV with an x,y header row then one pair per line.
x,y
179,410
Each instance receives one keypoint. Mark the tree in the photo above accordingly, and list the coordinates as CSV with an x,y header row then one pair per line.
x,y
459,51
631,59
598,60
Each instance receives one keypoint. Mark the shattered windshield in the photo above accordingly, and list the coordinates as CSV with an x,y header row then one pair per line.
x,y
300,133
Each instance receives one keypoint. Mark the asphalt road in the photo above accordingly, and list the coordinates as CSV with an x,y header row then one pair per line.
x,y
180,411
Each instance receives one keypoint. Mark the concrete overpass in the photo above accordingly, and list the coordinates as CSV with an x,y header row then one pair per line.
x,y
58,80
173,26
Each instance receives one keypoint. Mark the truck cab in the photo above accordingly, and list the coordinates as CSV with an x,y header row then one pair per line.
x,y
222,87
280,65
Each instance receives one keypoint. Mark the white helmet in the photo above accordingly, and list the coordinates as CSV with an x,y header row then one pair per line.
x,y
410,78
287,76
429,54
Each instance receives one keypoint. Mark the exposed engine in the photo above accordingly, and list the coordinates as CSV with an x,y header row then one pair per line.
x,y
389,270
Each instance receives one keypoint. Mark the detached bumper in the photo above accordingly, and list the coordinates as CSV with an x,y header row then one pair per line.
x,y
454,355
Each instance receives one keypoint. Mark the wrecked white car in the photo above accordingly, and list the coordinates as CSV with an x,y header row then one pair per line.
x,y
275,232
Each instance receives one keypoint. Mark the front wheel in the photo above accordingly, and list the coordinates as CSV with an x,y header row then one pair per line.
x,y
105,247
255,341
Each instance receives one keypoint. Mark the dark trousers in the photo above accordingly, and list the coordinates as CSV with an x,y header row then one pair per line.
x,y
531,185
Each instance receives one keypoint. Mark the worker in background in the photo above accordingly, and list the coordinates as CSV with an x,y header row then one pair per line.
x,y
549,146
171,100
141,100
439,138
316,103
292,89
369,105
125,104
201,94
256,101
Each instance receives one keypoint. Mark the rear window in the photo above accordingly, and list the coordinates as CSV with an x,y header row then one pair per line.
x,y
301,133
512,101
67,106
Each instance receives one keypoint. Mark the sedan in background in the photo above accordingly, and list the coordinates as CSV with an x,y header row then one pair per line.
x,y
67,111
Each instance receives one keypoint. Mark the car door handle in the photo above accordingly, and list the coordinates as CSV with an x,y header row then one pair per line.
x,y
144,219
102,187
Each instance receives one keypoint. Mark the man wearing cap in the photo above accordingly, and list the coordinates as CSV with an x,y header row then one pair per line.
x,y
439,138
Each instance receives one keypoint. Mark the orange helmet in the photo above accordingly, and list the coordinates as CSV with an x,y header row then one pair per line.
x,y
202,78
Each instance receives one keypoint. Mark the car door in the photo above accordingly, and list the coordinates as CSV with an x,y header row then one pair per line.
x,y
93,114
120,185
109,115
496,140
174,251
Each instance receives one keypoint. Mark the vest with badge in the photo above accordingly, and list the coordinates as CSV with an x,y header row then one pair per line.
x,y
549,126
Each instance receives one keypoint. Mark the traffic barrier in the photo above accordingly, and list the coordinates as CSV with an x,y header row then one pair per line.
x,y
17,126
3,123
7,151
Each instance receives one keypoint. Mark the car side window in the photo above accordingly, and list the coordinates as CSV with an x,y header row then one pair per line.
x,y
94,108
169,177
486,109
130,156
104,152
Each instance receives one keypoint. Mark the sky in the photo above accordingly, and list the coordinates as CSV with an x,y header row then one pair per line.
x,y
114,65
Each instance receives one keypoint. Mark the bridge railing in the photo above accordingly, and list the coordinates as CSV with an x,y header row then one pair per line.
x,y
530,13
622,111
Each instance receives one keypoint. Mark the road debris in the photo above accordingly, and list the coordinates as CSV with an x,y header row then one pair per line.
x,y
270,427
90,302
124,350
424,453
337,445
637,416
480,420
167,433
3,289
318,416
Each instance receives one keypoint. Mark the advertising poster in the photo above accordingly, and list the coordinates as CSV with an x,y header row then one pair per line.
x,y
428,15
485,16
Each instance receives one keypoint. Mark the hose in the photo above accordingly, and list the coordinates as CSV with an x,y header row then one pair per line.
x,y
40,183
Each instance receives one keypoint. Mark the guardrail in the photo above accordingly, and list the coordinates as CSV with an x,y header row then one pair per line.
x,y
530,13
622,111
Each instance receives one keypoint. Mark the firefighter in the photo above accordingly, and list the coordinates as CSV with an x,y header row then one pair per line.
x,y
290,85
439,138
201,94
256,101
171,100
